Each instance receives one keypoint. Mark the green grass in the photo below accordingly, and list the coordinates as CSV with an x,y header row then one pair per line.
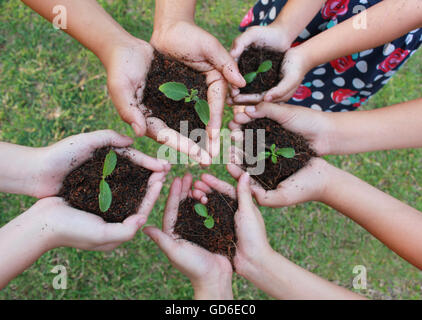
x,y
51,87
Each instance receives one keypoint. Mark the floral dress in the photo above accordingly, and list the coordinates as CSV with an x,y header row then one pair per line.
x,y
348,82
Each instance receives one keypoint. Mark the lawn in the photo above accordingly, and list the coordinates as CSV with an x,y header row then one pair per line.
x,y
51,87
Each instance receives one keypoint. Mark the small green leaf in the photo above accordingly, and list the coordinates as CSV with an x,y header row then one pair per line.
x,y
265,66
274,159
201,210
272,148
286,152
105,196
109,163
174,90
209,222
250,77
203,110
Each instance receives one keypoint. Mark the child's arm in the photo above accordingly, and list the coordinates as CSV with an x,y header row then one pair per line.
x,y
126,58
386,21
49,224
257,261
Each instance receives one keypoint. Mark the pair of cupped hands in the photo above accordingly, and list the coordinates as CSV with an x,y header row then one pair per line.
x,y
186,42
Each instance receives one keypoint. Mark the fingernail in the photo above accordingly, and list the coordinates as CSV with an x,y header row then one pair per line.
x,y
268,98
136,128
250,109
141,221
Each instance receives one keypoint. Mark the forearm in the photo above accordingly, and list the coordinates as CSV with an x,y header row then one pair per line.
x,y
19,168
394,127
386,21
88,23
168,11
282,279
394,223
220,289
296,15
22,242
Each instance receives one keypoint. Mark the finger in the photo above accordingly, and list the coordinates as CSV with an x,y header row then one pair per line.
x,y
219,185
186,186
234,126
159,131
282,90
252,98
163,241
200,185
244,193
103,138
242,118
155,184
200,196
172,206
144,160
281,113
241,43
217,91
124,99
117,232
223,62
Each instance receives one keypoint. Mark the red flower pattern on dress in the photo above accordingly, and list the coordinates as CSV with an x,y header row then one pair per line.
x,y
393,60
302,93
341,94
247,19
343,64
334,8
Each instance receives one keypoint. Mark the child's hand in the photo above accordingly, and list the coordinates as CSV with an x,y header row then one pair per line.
x,y
293,69
209,273
252,247
198,49
308,183
63,226
127,69
59,159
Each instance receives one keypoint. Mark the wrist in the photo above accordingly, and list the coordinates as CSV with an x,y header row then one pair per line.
x,y
333,177
302,57
218,288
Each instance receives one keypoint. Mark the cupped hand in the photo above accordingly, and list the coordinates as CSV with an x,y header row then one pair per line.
x,y
307,184
63,226
127,69
193,46
59,159
292,72
252,247
210,273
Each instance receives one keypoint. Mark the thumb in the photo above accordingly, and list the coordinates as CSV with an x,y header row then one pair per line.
x,y
241,43
163,241
118,232
123,97
224,62
286,88
244,193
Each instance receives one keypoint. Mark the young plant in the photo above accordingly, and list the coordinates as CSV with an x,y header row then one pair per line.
x,y
203,212
274,153
264,67
178,91
105,196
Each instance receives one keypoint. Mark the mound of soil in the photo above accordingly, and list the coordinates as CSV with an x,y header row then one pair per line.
x,y
251,59
164,70
128,184
282,138
221,238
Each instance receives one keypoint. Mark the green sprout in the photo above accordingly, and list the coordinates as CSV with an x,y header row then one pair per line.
x,y
203,212
264,67
274,153
177,91
105,196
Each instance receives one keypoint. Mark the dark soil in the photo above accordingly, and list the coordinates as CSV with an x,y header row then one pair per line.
x,y
128,184
282,138
164,70
221,238
251,59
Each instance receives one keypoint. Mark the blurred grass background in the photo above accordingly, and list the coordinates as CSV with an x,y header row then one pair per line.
x,y
51,87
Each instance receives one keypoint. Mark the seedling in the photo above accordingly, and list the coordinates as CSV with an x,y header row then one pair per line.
x,y
203,212
264,67
178,91
275,153
105,196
